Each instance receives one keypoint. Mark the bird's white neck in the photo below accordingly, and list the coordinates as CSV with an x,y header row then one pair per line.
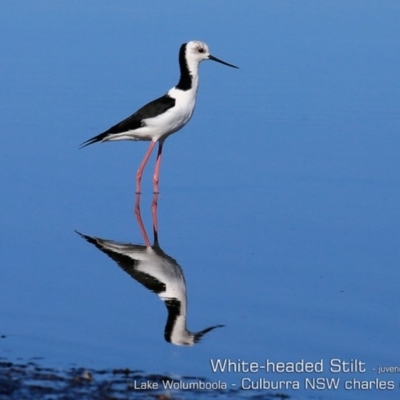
x,y
194,73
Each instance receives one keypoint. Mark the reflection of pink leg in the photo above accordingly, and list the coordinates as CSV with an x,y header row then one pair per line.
x,y
140,222
142,165
154,205
156,176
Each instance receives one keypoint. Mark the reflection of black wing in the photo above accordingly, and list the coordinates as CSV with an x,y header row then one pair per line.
x,y
129,265
146,280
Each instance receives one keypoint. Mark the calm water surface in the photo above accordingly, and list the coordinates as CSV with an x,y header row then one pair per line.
x,y
279,201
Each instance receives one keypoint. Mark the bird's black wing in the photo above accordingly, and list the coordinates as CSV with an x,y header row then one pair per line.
x,y
135,121
155,107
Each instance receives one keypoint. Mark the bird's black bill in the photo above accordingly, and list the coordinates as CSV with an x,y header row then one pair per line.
x,y
210,57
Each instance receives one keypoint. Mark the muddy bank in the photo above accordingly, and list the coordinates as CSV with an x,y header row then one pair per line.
x,y
31,381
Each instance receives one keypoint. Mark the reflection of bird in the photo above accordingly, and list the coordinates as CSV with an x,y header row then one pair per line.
x,y
161,274
161,117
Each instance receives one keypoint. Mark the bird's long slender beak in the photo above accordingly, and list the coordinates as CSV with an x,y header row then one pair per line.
x,y
210,57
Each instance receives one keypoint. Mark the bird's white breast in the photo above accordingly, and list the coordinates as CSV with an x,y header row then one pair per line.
x,y
173,119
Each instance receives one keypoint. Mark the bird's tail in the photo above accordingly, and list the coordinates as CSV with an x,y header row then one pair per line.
x,y
94,139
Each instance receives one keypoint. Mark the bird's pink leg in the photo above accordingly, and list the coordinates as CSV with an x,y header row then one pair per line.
x,y
154,214
156,176
139,172
140,222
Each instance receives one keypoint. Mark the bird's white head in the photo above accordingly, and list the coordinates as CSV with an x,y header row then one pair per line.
x,y
197,51
190,56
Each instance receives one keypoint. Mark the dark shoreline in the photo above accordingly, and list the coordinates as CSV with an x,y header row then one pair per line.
x,y
31,381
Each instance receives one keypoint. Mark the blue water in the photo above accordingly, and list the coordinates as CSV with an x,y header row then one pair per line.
x,y
280,199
